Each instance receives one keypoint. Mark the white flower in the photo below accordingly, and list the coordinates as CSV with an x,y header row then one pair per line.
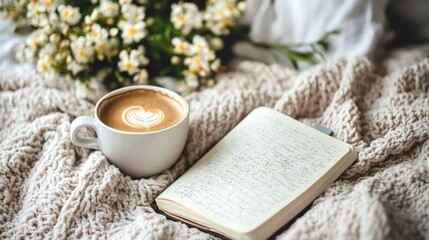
x,y
49,49
37,14
69,14
90,19
215,65
132,32
109,9
139,52
82,50
54,38
25,53
102,46
54,19
50,5
180,46
133,13
141,77
222,14
198,64
44,64
75,67
130,62
37,39
199,44
185,16
98,34
124,2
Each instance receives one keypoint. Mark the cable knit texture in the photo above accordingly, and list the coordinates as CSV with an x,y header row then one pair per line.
x,y
50,188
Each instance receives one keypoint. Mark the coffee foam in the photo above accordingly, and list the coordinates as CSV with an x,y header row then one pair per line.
x,y
137,116
140,110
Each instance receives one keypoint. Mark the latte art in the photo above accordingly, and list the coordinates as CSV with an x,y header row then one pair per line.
x,y
141,110
137,116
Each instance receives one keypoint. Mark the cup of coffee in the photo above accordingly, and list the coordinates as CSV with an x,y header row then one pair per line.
x,y
140,129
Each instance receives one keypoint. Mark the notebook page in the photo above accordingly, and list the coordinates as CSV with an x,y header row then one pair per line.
x,y
264,163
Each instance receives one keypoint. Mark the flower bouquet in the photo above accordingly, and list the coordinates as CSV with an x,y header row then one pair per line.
x,y
133,41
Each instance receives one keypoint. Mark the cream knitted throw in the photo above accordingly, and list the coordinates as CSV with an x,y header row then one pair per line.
x,y
50,188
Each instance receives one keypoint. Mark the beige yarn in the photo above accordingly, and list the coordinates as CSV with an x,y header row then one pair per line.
x,y
50,188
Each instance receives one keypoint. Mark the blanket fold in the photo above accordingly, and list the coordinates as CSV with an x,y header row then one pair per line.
x,y
50,188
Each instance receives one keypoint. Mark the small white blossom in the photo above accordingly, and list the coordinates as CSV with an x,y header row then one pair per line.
x,y
44,64
215,65
37,39
109,8
37,14
198,64
199,44
220,15
75,67
139,52
141,77
180,46
124,2
25,53
132,32
98,34
102,47
82,50
54,38
49,49
69,14
90,19
54,20
130,62
50,4
95,13
185,16
133,13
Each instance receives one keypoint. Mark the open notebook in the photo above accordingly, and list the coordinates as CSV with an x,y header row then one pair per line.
x,y
257,178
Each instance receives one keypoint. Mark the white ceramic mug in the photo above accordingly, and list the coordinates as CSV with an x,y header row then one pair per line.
x,y
138,154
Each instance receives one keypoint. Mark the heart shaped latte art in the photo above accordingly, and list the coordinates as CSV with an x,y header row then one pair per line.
x,y
137,116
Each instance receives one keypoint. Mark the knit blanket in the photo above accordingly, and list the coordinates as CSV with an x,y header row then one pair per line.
x,y
50,188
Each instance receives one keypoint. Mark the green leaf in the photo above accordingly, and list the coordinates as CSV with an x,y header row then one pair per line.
x,y
300,56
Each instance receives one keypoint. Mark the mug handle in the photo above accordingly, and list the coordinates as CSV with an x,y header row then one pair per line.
x,y
80,122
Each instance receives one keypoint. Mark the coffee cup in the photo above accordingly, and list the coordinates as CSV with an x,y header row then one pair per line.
x,y
142,130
